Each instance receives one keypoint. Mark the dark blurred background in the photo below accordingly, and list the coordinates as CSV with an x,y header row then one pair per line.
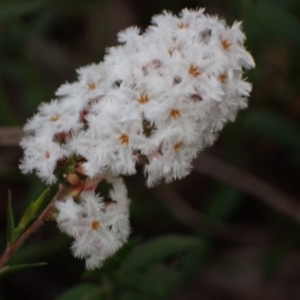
x,y
230,230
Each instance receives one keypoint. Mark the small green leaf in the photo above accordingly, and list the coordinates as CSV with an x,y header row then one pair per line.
x,y
10,220
31,212
8,270
37,204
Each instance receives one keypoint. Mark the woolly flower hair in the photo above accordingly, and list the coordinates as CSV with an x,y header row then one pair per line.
x,y
158,98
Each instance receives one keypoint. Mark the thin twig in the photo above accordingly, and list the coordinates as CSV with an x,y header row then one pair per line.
x,y
44,216
10,136
270,195
197,221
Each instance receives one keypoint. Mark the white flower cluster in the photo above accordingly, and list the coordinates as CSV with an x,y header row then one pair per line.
x,y
99,228
158,98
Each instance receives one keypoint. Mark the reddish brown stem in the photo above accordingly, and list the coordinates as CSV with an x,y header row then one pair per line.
x,y
44,216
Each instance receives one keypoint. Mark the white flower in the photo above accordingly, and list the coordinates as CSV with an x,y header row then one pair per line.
x,y
99,228
42,154
167,91
158,98
55,118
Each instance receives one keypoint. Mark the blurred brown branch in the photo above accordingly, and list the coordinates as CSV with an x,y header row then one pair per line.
x,y
197,221
10,136
242,180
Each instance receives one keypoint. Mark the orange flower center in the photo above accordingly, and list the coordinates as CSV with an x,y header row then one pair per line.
x,y
55,118
95,225
223,78
183,25
124,139
194,70
225,44
91,85
144,99
178,147
175,113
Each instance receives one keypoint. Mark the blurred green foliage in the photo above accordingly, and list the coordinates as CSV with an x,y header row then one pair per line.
x,y
148,271
41,45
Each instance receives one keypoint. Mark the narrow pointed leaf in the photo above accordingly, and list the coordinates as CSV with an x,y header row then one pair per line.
x,y
31,212
37,204
10,220
9,270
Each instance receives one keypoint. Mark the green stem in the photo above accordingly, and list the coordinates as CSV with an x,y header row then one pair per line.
x,y
44,216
